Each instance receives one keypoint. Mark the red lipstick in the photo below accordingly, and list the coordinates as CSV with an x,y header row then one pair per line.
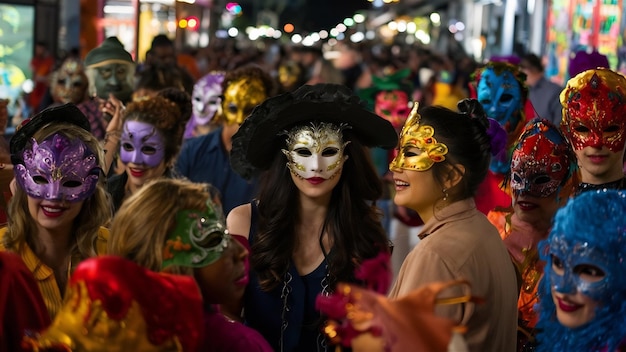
x,y
316,180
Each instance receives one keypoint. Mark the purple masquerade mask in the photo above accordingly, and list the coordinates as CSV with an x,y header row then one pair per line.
x,y
58,169
141,144
206,97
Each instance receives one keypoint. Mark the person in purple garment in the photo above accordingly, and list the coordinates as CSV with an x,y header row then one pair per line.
x,y
186,234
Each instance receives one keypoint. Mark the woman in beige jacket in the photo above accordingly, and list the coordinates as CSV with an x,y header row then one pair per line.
x,y
443,157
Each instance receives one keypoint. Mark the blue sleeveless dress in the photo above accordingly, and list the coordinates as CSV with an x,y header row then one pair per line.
x,y
286,316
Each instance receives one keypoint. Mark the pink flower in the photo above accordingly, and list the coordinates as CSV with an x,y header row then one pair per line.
x,y
376,272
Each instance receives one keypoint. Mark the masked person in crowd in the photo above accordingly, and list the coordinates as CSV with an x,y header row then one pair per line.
x,y
544,174
151,137
68,84
582,293
206,100
314,219
187,235
206,159
443,157
60,203
594,121
501,90
110,71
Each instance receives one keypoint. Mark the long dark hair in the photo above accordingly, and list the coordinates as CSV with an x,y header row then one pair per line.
x,y
352,221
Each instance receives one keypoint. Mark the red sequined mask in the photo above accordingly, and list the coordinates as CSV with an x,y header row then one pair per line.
x,y
595,110
541,160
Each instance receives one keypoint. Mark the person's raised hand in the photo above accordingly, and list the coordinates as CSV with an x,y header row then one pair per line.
x,y
114,108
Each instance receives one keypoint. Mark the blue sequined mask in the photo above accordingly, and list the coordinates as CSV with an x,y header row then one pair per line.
x,y
589,232
572,257
500,95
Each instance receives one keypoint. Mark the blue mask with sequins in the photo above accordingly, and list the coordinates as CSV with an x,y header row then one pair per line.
x,y
573,257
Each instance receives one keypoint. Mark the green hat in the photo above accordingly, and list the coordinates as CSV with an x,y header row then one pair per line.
x,y
110,51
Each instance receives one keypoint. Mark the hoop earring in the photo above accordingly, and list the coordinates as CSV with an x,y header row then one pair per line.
x,y
445,194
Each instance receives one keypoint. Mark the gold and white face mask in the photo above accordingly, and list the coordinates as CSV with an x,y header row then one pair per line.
x,y
418,149
315,150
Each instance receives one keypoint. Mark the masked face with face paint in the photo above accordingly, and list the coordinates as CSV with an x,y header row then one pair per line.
x,y
500,93
315,152
579,280
418,150
206,97
583,284
542,160
142,144
594,120
142,150
240,97
199,238
69,83
58,169
595,110
393,106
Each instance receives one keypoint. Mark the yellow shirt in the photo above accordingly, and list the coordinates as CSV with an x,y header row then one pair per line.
x,y
44,275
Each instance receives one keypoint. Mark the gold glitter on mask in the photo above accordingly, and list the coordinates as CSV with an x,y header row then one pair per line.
x,y
240,97
417,148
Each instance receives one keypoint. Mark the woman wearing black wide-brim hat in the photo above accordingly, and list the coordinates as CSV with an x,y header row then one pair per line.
x,y
314,219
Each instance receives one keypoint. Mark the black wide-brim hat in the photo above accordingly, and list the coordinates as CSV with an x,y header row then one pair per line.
x,y
67,113
260,136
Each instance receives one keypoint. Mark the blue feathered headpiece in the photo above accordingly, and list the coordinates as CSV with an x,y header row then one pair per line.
x,y
592,220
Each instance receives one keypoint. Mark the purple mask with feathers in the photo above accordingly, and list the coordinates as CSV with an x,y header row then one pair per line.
x,y
58,169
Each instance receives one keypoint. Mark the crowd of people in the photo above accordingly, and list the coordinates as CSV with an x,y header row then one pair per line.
x,y
237,203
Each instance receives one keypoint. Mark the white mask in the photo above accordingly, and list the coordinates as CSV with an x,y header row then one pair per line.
x,y
315,150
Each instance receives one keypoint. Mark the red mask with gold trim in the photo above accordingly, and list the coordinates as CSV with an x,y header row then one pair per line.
x,y
594,110
542,160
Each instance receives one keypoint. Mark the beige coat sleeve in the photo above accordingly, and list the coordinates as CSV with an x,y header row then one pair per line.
x,y
424,266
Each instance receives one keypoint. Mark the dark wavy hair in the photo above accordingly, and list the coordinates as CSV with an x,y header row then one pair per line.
x,y
469,144
352,221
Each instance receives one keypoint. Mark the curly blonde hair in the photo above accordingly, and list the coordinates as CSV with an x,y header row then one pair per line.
x,y
95,212
141,226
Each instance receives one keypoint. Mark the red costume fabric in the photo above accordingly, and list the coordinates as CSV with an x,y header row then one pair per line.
x,y
21,306
490,196
170,306
41,68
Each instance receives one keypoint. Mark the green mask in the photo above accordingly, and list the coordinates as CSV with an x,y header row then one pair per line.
x,y
199,238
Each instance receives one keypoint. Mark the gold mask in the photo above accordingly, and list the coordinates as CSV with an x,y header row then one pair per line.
x,y
240,97
417,148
